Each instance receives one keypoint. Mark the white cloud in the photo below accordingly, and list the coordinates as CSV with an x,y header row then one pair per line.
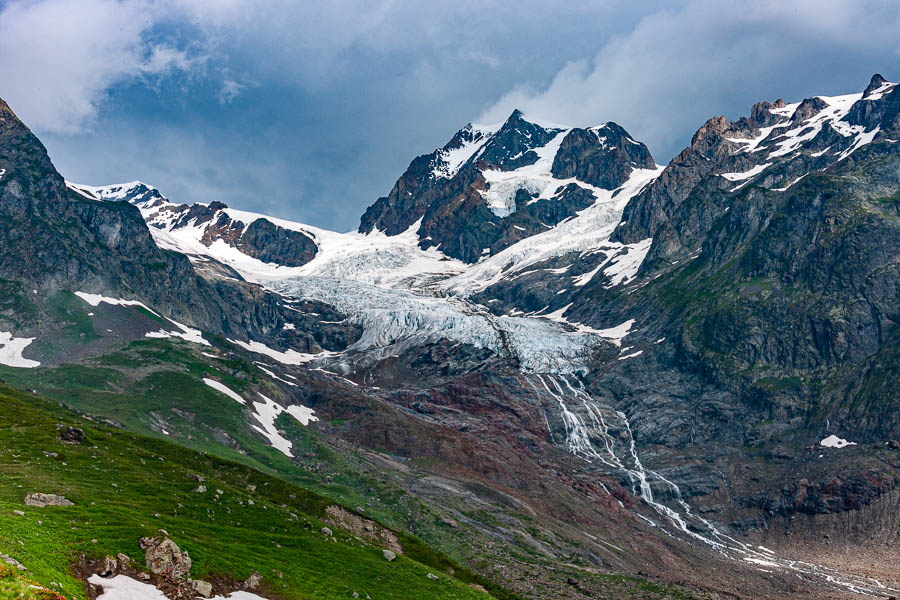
x,y
59,57
230,90
679,66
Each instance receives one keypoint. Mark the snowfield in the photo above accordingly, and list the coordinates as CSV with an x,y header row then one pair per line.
x,y
589,231
223,389
535,178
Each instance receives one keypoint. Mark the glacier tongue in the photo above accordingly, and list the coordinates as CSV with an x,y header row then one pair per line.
x,y
396,319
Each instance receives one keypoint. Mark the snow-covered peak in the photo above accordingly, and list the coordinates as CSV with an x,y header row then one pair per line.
x,y
215,231
824,129
588,231
133,191
878,86
472,139
536,179
468,141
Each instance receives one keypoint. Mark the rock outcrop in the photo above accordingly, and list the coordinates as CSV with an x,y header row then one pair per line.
x,y
163,557
39,499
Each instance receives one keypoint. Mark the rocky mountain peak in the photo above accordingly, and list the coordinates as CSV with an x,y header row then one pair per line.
x,y
5,110
601,156
468,135
135,192
514,144
761,114
491,186
807,109
22,154
775,148
713,125
875,83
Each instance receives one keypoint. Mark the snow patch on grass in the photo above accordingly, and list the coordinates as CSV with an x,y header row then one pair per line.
x,y
11,349
95,300
268,411
288,357
221,388
187,334
184,332
123,587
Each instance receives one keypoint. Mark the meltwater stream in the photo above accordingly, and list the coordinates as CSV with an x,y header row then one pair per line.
x,y
588,422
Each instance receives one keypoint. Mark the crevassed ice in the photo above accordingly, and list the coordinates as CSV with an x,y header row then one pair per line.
x,y
399,319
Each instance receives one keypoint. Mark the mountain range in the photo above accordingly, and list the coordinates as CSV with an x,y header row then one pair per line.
x,y
544,366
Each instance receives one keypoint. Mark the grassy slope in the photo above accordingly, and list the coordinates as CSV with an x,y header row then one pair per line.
x,y
149,385
126,486
157,376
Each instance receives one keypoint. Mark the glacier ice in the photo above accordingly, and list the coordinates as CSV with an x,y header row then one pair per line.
x,y
395,319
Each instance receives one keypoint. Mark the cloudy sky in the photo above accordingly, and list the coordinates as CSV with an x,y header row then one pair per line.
x,y
310,110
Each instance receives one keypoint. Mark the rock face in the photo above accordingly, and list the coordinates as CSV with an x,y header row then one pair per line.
x,y
270,243
163,557
252,582
488,189
774,148
108,567
58,238
601,156
39,499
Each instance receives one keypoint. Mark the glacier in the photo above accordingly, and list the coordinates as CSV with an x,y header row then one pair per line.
x,y
395,319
